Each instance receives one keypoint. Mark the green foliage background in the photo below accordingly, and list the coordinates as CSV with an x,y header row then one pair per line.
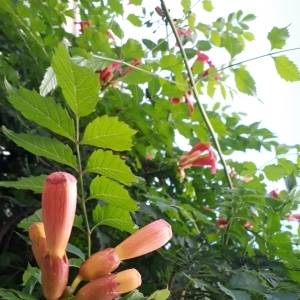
x,y
56,115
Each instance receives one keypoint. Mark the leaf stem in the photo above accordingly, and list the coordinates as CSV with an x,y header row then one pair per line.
x,y
82,187
196,96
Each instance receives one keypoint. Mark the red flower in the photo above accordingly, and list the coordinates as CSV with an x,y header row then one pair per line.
x,y
135,63
83,24
109,34
107,74
274,194
221,222
184,33
248,225
201,57
195,158
293,217
187,99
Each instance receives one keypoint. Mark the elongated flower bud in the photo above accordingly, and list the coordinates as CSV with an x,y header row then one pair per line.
x,y
55,273
99,264
110,286
59,200
147,239
39,243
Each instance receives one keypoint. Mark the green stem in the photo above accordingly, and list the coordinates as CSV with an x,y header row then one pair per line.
x,y
82,187
196,96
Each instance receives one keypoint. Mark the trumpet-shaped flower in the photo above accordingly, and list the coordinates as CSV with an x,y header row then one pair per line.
x,y
38,241
110,286
147,239
59,199
200,155
55,273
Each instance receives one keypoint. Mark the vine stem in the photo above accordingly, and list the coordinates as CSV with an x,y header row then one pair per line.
x,y
195,94
82,199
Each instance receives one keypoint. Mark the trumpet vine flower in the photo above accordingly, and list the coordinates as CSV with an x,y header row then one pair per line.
x,y
147,239
110,286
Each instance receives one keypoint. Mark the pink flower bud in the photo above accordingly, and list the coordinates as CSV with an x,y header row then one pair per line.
x,y
39,243
59,199
55,272
110,286
147,239
99,264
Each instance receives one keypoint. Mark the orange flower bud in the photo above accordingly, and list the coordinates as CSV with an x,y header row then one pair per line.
x,y
99,264
39,243
110,286
59,199
147,239
55,272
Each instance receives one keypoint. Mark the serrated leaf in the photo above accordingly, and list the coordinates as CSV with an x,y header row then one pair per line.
x,y
235,295
100,62
215,38
274,172
116,6
79,85
112,193
49,82
244,81
286,68
33,183
159,295
36,217
43,111
232,45
207,5
108,132
277,37
134,20
43,146
115,217
31,272
132,49
73,249
109,165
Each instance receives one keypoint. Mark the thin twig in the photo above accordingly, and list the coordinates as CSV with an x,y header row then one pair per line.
x,y
196,96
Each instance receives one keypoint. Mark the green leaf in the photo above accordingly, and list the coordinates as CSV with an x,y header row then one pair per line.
x,y
79,84
215,38
31,272
112,193
235,295
100,43
73,249
249,36
109,165
132,49
203,45
78,222
159,295
11,294
43,146
115,217
136,2
43,111
274,172
108,132
49,82
36,217
244,81
191,20
232,45
207,5
134,20
75,262
286,68
172,63
138,76
186,5
277,37
248,18
116,6
33,183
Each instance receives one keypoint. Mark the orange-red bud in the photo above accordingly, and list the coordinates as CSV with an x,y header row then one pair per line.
x,y
110,286
55,272
59,199
147,239
99,264
39,243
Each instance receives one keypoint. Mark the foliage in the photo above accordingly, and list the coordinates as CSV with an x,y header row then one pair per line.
x,y
110,110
